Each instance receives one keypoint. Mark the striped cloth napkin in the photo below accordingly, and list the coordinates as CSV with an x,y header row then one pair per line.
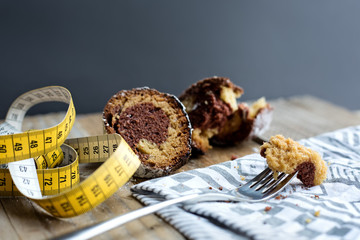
x,y
328,211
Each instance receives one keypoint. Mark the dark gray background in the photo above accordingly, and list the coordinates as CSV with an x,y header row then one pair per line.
x,y
96,48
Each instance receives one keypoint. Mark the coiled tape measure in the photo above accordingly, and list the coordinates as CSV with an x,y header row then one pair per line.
x,y
44,166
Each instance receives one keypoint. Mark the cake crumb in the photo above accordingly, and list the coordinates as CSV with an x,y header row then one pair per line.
x,y
317,213
278,197
220,188
267,208
316,196
308,220
233,157
210,188
242,178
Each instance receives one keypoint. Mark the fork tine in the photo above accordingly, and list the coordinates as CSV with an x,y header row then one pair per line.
x,y
274,182
279,185
263,182
263,186
262,175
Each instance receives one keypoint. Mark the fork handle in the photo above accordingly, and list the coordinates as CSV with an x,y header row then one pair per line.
x,y
99,228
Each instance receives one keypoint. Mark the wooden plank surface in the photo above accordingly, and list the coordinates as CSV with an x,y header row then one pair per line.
x,y
296,117
307,116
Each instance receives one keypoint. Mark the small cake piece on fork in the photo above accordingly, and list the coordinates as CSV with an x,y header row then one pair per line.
x,y
288,156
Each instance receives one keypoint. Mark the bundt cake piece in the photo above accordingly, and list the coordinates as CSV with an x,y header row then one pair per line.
x,y
209,103
246,122
216,116
156,127
288,156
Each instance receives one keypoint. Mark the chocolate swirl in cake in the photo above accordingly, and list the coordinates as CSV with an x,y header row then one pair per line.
x,y
216,116
156,127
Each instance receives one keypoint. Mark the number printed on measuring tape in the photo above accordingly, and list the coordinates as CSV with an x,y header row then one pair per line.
x,y
43,164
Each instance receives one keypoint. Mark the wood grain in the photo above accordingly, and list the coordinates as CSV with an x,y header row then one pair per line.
x,y
306,116
296,117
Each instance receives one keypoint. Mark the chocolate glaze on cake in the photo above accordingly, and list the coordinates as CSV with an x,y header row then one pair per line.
x,y
156,127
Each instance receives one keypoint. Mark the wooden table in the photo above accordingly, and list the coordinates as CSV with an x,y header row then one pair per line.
x,y
296,117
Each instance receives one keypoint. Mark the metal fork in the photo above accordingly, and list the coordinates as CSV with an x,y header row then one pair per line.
x,y
260,188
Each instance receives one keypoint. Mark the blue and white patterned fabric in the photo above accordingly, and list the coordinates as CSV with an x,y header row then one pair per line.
x,y
337,200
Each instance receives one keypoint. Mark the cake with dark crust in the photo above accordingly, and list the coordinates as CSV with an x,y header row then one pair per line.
x,y
156,127
245,123
288,156
216,116
209,103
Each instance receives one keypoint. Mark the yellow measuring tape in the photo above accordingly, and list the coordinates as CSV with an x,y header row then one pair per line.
x,y
44,166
